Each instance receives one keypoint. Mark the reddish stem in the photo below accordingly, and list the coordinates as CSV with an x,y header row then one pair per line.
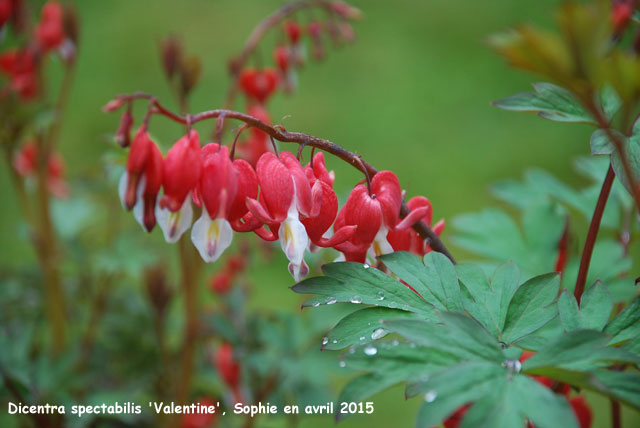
x,y
593,233
616,421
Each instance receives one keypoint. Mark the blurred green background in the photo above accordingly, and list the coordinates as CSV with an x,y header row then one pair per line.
x,y
411,95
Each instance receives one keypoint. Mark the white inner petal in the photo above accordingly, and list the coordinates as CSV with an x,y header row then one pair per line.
x,y
293,237
380,244
174,224
211,237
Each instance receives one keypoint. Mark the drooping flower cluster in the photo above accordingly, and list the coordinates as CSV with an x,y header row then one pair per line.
x,y
279,200
56,31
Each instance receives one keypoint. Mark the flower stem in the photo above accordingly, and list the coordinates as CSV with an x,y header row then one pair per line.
x,y
616,421
593,233
190,268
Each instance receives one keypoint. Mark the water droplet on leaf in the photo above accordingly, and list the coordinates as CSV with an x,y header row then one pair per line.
x,y
430,396
378,333
370,350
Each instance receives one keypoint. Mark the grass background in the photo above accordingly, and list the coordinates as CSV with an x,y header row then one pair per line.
x,y
412,95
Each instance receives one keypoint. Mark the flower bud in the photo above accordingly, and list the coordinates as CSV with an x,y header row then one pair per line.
x,y
123,134
50,29
293,31
345,10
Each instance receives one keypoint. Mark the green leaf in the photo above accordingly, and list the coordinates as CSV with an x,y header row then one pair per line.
x,y
362,387
446,391
471,335
396,356
363,326
550,102
495,236
540,404
569,312
632,152
596,306
435,280
512,400
478,297
625,325
621,385
358,284
610,101
505,282
594,311
577,350
531,307
459,335
601,144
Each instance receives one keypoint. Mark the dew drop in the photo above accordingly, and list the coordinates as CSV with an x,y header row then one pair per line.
x,y
352,350
370,350
334,341
393,305
380,295
316,304
513,366
430,396
362,338
342,364
356,300
395,342
378,333
331,300
366,266
325,340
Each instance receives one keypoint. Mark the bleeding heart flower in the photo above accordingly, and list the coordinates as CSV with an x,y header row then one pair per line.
x,y
317,169
294,31
6,10
582,410
228,368
408,239
50,30
286,197
315,29
259,84
25,163
282,58
180,174
318,226
20,66
142,179
222,190
454,420
375,215
200,420
621,14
